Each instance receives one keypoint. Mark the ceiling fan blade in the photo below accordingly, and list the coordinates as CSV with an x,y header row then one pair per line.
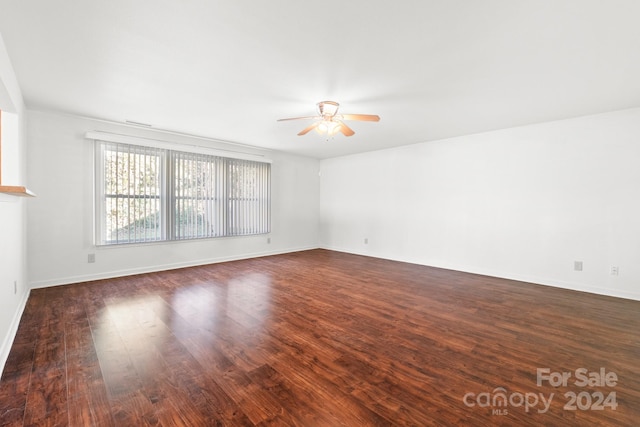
x,y
299,118
362,117
308,128
346,130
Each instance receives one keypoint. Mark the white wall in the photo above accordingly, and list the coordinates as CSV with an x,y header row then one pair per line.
x,y
12,209
521,203
61,217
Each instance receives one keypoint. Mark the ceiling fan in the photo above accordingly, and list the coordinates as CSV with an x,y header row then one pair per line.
x,y
329,122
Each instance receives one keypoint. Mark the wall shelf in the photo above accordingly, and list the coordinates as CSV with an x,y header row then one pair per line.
x,y
15,190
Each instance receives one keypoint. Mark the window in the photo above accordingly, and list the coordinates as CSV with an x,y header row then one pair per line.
x,y
147,194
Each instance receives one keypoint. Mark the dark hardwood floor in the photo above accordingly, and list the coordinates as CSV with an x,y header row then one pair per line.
x,y
321,338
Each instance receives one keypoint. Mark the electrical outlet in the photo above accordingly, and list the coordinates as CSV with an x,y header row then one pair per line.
x,y
91,258
366,241
614,271
15,287
577,265
269,240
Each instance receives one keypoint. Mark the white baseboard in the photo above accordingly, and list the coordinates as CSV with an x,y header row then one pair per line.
x,y
153,268
580,287
7,342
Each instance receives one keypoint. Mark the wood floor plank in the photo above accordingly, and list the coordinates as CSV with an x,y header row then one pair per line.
x,y
87,393
47,396
316,338
14,385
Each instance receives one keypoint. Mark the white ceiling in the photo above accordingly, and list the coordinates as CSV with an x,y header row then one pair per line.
x,y
228,69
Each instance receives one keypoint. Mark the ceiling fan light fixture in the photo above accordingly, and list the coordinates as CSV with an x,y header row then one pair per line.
x,y
328,127
334,128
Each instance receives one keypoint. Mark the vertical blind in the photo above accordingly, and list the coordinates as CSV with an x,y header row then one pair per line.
x,y
149,194
198,189
248,197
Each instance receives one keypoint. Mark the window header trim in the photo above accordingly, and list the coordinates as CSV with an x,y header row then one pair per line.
x,y
156,143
